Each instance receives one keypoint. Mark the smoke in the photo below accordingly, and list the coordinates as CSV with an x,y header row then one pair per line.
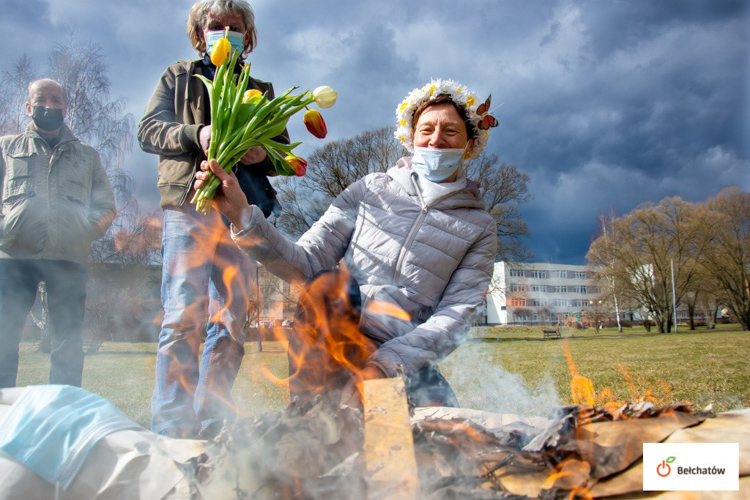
x,y
481,383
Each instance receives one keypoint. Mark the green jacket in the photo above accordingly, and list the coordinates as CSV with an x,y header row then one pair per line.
x,y
55,201
178,108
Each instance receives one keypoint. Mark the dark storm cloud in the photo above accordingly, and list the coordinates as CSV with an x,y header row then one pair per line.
x,y
604,104
630,110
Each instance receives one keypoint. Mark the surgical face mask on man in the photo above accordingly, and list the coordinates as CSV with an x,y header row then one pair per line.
x,y
47,119
436,164
236,40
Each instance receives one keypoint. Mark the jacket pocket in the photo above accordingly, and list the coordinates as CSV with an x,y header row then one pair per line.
x,y
75,178
23,230
18,177
79,232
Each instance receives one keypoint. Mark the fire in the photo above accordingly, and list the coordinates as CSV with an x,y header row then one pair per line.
x,y
572,475
388,309
327,350
583,393
581,388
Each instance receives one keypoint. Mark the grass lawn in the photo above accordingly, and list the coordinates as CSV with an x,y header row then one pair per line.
x,y
505,370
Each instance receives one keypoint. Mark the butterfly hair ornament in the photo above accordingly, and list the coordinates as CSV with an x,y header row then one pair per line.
x,y
486,120
478,114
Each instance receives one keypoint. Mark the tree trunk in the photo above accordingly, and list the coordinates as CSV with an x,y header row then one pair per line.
x,y
691,315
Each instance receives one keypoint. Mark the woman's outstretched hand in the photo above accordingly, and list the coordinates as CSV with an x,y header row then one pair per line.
x,y
229,198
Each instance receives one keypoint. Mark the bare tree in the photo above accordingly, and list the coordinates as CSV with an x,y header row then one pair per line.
x,y
504,188
13,96
138,242
609,284
642,251
79,65
330,170
338,164
726,261
598,312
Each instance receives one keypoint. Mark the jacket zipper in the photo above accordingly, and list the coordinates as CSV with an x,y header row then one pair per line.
x,y
194,109
415,227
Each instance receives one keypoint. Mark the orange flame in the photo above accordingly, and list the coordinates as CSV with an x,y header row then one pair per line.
x,y
581,388
326,351
583,392
388,309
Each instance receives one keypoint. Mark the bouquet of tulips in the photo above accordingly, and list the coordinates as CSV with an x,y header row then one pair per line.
x,y
242,119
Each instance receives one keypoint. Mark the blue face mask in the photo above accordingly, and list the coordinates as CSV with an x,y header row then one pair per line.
x,y
436,165
236,40
52,428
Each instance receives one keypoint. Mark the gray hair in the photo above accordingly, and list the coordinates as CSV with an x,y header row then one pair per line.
x,y
201,9
47,81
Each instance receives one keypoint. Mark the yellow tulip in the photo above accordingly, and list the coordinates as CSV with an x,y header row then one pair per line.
x,y
252,96
220,51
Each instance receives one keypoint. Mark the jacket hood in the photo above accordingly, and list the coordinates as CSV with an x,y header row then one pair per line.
x,y
469,197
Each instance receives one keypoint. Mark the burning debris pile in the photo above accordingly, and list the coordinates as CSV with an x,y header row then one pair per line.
x,y
310,450
321,451
316,452
582,447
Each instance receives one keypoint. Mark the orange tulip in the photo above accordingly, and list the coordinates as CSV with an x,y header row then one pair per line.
x,y
299,165
314,122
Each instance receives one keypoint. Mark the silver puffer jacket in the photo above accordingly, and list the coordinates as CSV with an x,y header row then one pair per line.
x,y
433,261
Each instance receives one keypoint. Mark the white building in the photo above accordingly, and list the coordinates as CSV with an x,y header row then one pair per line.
x,y
539,293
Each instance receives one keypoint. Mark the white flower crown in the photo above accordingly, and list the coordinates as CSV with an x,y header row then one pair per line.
x,y
458,93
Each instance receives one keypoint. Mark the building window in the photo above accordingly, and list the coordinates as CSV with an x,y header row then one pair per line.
x,y
517,288
580,289
558,274
539,274
560,289
561,302
517,302
516,273
539,288
579,275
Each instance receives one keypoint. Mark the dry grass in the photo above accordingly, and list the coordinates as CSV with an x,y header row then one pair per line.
x,y
504,370
704,367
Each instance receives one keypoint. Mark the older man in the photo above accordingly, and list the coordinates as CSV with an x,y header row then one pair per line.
x,y
56,200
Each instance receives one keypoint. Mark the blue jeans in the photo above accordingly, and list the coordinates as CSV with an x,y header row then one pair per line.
x,y
66,297
205,291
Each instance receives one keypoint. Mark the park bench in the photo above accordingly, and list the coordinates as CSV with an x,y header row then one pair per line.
x,y
552,333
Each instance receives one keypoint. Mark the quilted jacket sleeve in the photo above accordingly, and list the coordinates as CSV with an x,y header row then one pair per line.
x,y
321,247
446,328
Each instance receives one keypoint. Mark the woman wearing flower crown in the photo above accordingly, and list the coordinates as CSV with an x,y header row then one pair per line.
x,y
397,265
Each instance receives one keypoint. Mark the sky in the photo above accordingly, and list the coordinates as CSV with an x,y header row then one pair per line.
x,y
605,104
